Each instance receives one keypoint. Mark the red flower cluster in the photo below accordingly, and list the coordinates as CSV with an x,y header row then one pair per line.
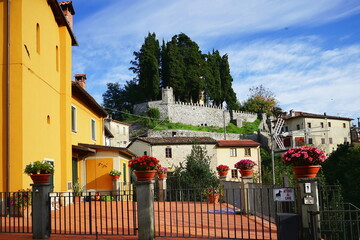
x,y
245,164
303,156
144,163
222,168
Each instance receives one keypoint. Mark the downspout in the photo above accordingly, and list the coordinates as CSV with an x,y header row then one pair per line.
x,y
7,106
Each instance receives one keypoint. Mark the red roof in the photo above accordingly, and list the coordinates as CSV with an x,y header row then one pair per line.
x,y
237,143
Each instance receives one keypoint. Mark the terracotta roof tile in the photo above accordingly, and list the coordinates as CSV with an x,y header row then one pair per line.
x,y
177,140
313,115
237,143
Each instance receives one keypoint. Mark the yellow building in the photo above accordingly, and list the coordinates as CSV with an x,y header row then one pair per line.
x,y
91,160
38,97
35,67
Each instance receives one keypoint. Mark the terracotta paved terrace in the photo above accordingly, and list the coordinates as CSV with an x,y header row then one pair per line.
x,y
118,220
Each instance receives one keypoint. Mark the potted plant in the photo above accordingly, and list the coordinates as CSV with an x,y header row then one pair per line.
x,y
115,174
22,200
305,161
144,167
77,191
245,166
212,194
222,170
39,171
161,172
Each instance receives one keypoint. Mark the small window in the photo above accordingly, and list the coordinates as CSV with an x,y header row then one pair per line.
x,y
322,140
247,152
73,118
173,133
298,127
310,141
233,152
234,173
322,125
118,144
309,125
125,143
168,153
329,124
344,125
145,152
124,131
330,141
93,130
117,129
286,129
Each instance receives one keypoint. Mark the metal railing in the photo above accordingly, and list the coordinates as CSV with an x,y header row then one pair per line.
x,y
15,212
190,213
101,212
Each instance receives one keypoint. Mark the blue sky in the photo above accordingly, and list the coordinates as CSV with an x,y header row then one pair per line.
x,y
306,52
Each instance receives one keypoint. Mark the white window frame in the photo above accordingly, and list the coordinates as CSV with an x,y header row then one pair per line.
x,y
233,152
93,129
247,154
73,119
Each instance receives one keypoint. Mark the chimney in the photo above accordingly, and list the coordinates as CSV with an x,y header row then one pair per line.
x,y
81,80
292,113
68,10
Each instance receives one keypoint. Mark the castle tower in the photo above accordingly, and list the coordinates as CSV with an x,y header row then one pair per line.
x,y
167,95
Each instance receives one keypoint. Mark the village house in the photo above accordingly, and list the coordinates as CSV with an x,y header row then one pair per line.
x,y
44,114
172,151
320,130
119,133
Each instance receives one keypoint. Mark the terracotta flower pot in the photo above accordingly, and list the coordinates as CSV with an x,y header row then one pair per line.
x,y
115,177
306,171
145,175
246,173
40,178
161,175
213,197
223,174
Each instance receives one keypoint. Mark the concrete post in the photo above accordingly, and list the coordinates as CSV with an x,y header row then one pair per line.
x,y
308,200
145,204
162,189
116,188
245,204
41,210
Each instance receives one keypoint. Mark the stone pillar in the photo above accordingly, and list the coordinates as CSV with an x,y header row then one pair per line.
x,y
41,210
162,189
145,204
116,188
308,200
245,194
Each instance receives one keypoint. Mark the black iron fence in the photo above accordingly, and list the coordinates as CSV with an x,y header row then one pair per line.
x,y
101,212
336,220
236,214
15,212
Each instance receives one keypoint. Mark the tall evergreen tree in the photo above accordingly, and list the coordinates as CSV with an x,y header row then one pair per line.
x,y
146,67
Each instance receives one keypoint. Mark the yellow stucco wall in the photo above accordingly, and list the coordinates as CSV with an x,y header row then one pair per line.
x,y
40,92
83,125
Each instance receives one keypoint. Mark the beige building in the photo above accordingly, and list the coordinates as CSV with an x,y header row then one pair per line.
x,y
229,152
118,133
171,151
323,131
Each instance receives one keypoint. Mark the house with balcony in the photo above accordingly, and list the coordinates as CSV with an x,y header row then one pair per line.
x,y
320,130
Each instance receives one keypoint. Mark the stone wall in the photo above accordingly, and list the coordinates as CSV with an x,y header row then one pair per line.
x,y
192,113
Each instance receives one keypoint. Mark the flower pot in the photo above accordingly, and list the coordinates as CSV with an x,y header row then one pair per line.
x,y
246,173
161,175
222,173
40,178
306,171
147,175
115,177
213,197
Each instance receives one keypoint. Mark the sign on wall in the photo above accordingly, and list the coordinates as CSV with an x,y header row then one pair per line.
x,y
284,194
